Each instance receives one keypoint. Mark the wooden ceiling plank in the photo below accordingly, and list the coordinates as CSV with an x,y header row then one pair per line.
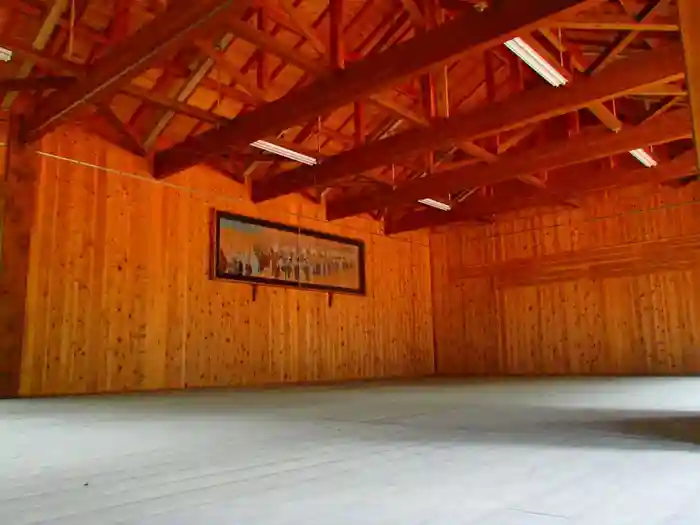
x,y
689,16
662,65
595,144
362,78
129,58
567,186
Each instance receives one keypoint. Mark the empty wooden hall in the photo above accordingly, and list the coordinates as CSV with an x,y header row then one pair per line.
x,y
408,262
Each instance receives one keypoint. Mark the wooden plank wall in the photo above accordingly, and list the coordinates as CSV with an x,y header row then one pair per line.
x,y
119,297
611,288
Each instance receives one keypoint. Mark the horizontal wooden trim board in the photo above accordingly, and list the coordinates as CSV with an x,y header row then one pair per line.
x,y
676,253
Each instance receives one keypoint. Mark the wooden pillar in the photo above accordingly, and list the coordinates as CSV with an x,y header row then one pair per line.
x,y
20,178
689,16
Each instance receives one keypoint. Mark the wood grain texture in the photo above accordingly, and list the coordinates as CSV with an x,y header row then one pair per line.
x,y
610,288
120,298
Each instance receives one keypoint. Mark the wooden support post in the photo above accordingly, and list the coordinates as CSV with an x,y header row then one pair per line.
x,y
689,16
337,38
20,179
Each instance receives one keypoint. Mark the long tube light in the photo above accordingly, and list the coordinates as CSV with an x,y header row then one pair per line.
x,y
436,204
643,157
538,64
284,152
543,68
311,161
5,55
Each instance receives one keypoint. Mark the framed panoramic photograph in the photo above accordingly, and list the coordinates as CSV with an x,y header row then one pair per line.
x,y
255,251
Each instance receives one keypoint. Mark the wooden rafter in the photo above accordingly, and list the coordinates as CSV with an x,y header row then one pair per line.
x,y
593,145
613,22
566,186
365,77
656,66
127,59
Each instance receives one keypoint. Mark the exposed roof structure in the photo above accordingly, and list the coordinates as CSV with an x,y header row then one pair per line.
x,y
419,112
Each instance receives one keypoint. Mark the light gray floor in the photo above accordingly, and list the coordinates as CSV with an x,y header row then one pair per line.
x,y
498,453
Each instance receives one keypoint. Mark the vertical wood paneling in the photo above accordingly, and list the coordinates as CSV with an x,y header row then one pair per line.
x,y
610,288
121,296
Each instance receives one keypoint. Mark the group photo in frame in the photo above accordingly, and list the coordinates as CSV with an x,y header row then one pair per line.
x,y
257,251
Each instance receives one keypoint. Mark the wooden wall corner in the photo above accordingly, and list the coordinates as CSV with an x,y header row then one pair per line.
x,y
20,177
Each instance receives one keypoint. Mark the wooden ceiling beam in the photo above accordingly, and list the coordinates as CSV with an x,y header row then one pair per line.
x,y
598,109
689,16
539,104
128,58
587,146
474,32
567,186
591,21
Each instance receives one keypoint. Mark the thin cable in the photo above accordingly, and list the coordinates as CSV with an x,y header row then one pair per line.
x,y
561,48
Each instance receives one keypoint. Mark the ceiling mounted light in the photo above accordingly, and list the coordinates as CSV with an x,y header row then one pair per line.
x,y
436,204
643,157
5,55
284,152
538,64
311,161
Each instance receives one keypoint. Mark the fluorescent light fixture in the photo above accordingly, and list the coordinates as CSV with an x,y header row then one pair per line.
x,y
284,152
643,157
436,204
5,55
538,64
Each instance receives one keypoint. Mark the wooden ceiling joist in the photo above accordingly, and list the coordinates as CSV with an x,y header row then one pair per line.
x,y
471,32
589,21
128,58
567,186
595,144
662,65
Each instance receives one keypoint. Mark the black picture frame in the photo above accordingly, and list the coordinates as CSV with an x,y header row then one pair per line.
x,y
219,265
